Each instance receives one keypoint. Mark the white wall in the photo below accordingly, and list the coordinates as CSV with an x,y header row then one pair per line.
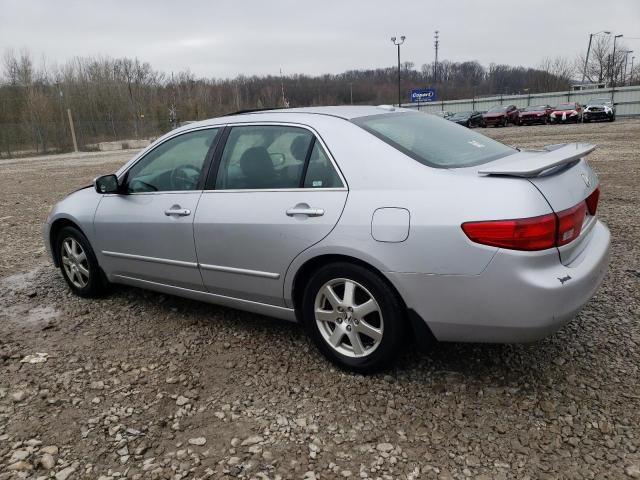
x,y
627,100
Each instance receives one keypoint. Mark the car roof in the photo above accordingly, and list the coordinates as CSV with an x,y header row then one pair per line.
x,y
347,112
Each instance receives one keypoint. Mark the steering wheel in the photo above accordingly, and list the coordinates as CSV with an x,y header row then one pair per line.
x,y
184,177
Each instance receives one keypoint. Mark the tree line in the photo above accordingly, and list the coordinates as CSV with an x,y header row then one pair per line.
x,y
122,98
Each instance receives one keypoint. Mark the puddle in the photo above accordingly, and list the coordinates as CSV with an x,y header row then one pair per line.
x,y
19,281
20,312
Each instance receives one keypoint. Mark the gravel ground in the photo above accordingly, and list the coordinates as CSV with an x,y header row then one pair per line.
x,y
143,385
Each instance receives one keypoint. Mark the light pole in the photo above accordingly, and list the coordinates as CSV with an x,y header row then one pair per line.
x,y
586,61
626,60
398,43
613,61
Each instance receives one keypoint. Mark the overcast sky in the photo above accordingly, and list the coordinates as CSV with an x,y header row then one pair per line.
x,y
227,38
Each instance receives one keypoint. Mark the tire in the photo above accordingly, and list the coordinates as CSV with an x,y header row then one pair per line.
x,y
78,264
385,320
505,122
612,118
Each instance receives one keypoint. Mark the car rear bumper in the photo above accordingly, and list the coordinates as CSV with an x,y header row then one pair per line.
x,y
519,297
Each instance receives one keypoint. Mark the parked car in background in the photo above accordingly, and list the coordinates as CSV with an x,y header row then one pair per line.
x,y
363,223
501,116
535,114
443,113
600,109
570,112
468,119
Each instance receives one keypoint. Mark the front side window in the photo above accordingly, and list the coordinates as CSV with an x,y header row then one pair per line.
x,y
432,141
264,157
174,165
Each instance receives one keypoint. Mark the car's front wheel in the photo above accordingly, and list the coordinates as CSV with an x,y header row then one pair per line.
x,y
353,317
78,263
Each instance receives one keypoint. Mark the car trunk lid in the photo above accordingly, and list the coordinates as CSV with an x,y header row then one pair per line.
x,y
563,177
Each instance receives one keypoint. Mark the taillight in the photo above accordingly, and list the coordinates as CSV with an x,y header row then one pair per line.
x,y
592,201
535,233
570,223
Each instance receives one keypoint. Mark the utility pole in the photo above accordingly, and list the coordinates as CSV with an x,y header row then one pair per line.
x,y
626,60
351,91
614,73
73,131
436,44
631,72
398,43
586,61
285,104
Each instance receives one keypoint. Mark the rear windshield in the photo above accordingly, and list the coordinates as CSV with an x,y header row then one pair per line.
x,y
498,108
537,108
433,141
566,106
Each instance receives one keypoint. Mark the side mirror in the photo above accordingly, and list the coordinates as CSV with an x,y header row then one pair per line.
x,y
107,184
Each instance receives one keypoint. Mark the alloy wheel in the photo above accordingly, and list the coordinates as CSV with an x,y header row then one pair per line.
x,y
348,318
74,262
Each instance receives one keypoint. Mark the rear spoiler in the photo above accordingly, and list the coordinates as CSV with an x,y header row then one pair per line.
x,y
531,163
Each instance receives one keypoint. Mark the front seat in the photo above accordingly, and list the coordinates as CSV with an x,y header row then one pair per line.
x,y
257,168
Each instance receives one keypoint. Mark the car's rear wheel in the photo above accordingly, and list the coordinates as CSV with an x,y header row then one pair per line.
x,y
353,317
78,263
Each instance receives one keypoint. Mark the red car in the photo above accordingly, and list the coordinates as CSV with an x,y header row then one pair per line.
x,y
501,116
566,112
535,114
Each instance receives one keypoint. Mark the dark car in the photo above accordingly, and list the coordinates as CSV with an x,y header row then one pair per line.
x,y
535,114
501,116
600,109
566,113
468,119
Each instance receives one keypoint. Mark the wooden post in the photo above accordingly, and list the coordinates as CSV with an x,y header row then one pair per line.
x,y
73,131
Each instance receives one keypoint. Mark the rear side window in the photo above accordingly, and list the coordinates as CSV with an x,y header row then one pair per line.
x,y
433,141
263,157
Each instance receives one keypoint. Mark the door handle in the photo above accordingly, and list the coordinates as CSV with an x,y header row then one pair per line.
x,y
309,212
179,212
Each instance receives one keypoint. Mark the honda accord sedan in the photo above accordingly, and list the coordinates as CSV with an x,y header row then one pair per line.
x,y
369,225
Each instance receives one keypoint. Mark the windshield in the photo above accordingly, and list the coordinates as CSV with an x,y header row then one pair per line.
x,y
538,108
498,108
566,106
433,141
599,101
462,115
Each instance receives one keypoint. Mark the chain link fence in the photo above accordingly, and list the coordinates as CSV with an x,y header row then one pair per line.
x,y
39,138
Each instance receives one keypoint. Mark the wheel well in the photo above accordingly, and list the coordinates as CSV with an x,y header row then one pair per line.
x,y
421,331
53,234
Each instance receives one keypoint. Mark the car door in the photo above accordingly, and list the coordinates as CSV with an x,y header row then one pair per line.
x,y
273,192
146,233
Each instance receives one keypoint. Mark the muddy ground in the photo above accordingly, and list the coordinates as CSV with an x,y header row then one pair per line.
x,y
143,385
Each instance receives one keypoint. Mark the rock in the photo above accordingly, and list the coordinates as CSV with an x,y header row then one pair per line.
x,y
181,401
47,461
20,466
50,449
252,440
65,473
18,455
17,396
199,441
384,447
233,461
632,471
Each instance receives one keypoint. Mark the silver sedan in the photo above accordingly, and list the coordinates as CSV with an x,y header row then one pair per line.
x,y
369,225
